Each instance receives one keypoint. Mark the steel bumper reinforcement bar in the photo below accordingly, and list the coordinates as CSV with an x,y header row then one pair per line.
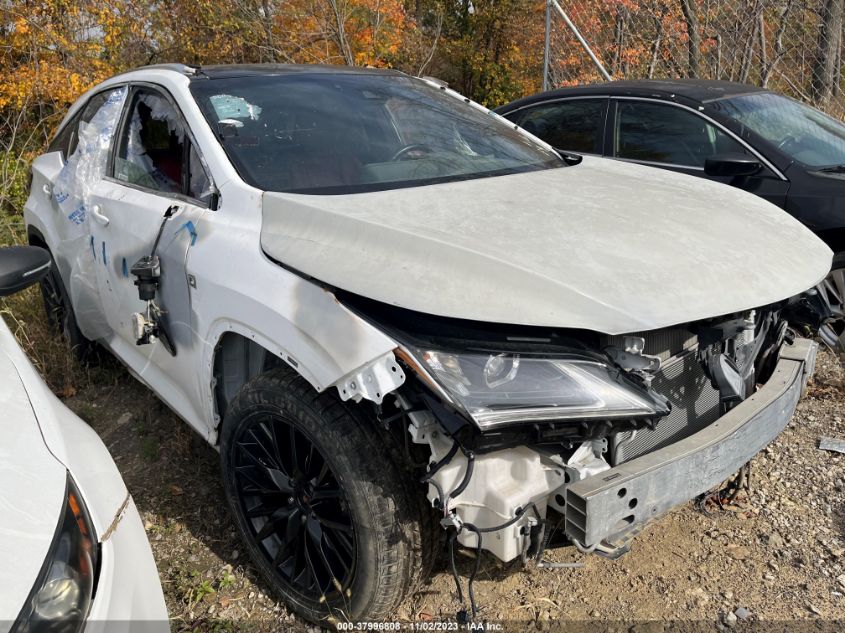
x,y
619,501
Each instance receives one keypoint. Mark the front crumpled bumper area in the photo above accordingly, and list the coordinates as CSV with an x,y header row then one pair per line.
x,y
623,499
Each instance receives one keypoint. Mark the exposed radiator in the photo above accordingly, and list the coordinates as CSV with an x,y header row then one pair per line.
x,y
695,404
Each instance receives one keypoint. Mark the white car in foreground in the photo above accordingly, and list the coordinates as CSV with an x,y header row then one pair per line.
x,y
394,313
75,554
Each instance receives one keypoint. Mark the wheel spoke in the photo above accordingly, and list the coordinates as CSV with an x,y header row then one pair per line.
x,y
328,493
269,528
275,441
294,463
248,454
338,556
261,489
283,553
270,453
282,482
259,510
322,474
318,537
312,571
334,525
309,461
339,538
292,530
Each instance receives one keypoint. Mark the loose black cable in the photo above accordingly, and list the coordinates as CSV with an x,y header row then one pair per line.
x,y
475,569
452,537
467,475
441,497
427,478
438,465
478,533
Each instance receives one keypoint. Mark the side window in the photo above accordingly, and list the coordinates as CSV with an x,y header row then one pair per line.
x,y
667,134
151,152
68,138
574,125
199,184
66,135
88,144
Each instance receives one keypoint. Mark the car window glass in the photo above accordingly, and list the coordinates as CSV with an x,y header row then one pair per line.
x,y
88,162
62,140
335,133
668,134
66,140
151,150
199,184
568,125
800,131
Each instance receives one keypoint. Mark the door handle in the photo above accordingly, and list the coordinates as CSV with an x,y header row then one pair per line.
x,y
97,213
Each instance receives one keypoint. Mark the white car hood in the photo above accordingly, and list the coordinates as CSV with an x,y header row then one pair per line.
x,y
32,493
604,245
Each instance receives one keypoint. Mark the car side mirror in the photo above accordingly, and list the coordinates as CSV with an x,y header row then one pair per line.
x,y
731,165
22,266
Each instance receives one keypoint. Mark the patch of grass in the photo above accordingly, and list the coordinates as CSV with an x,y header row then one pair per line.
x,y
205,588
227,579
24,314
149,449
85,410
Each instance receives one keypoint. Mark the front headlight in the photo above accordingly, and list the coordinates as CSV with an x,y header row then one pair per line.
x,y
62,594
501,389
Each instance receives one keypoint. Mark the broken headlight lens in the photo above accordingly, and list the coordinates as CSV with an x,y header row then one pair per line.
x,y
62,594
502,389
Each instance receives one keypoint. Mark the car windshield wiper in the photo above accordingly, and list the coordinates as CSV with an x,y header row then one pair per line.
x,y
833,169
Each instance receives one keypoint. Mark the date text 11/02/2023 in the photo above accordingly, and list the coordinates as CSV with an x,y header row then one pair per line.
x,y
418,626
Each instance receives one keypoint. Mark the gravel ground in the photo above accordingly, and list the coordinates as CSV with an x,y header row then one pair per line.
x,y
777,556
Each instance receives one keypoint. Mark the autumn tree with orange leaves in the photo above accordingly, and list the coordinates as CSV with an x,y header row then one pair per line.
x,y
491,50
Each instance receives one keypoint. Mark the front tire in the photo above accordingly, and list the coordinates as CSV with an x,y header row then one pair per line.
x,y
325,512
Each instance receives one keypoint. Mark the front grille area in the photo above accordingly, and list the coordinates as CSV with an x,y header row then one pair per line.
x,y
695,404
661,343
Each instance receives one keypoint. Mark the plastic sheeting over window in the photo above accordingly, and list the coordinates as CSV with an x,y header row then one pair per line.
x,y
87,164
73,191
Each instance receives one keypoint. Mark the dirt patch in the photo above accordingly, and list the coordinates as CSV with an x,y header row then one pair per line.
x,y
776,555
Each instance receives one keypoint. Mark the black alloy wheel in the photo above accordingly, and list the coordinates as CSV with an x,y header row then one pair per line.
x,y
295,507
330,517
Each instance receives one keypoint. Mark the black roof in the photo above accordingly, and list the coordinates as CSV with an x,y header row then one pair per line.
x,y
694,90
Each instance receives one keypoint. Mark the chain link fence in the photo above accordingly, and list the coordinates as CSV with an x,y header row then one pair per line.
x,y
791,46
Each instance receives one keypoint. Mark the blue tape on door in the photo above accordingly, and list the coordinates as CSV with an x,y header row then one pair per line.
x,y
189,226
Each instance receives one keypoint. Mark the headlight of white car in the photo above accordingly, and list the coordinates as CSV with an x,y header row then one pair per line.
x,y
508,388
61,596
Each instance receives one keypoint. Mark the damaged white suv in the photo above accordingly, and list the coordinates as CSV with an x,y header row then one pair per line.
x,y
395,313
